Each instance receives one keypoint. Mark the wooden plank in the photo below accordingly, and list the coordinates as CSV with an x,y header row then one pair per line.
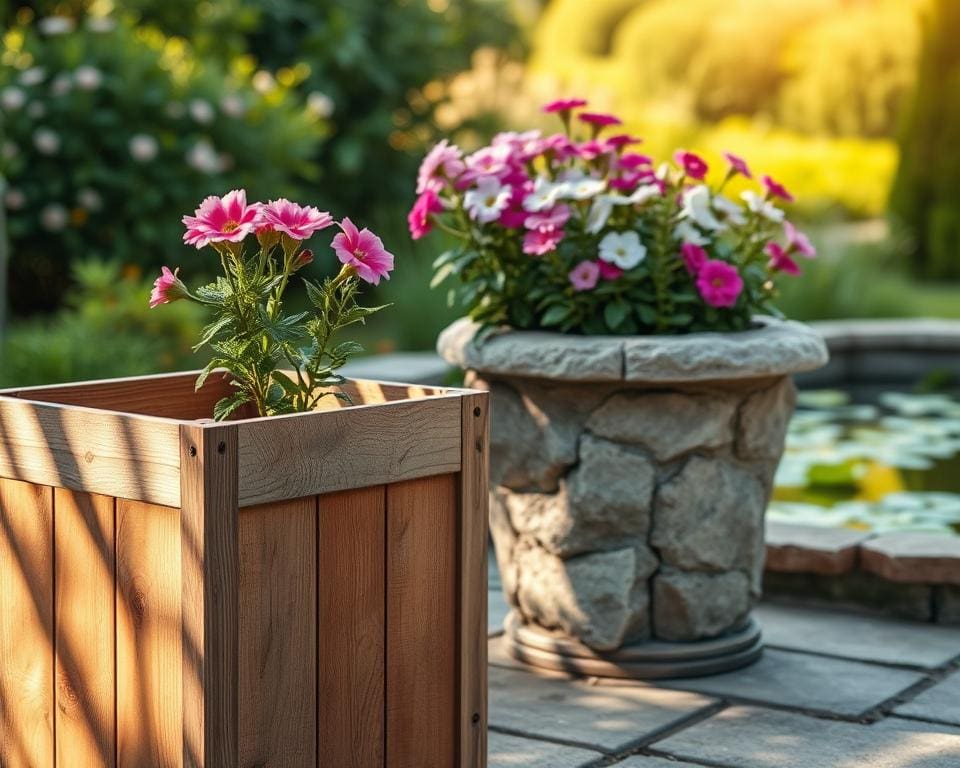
x,y
278,634
287,457
210,573
130,457
422,618
85,629
26,626
352,621
472,629
149,711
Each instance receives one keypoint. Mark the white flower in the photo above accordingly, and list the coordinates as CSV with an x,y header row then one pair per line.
x,y
583,189
644,194
12,98
87,78
320,104
263,81
46,141
143,147
56,25
544,195
10,150
101,24
204,158
764,207
696,207
14,199
32,76
53,217
61,85
623,249
90,199
36,110
487,201
599,213
174,110
202,111
731,212
232,105
687,233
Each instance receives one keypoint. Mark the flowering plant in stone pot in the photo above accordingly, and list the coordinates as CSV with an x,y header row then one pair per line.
x,y
278,362
621,314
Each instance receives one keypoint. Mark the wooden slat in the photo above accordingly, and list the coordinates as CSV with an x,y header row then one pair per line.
x,y
422,618
85,629
278,634
210,572
26,626
472,630
131,457
288,457
149,730
351,649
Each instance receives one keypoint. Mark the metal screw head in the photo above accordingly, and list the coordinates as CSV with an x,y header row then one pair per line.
x,y
477,411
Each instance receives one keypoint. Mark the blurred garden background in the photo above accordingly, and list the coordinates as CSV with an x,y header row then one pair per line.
x,y
118,117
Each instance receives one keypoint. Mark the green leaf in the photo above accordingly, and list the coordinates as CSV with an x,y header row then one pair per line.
x,y
556,314
444,271
346,348
212,330
225,407
316,294
615,313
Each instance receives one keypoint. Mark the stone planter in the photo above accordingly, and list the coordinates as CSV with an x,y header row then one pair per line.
x,y
629,481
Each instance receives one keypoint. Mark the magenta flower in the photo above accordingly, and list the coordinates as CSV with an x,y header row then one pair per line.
x,y
633,160
292,219
559,146
719,283
554,218
622,140
694,257
540,241
799,242
584,276
418,219
780,260
168,287
738,164
363,251
775,189
693,165
443,163
564,105
217,220
592,149
608,271
599,119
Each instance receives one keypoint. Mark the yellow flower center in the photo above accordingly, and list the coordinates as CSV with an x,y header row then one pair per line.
x,y
231,226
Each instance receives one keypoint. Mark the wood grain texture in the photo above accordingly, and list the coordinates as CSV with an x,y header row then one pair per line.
x,y
352,621
210,573
472,629
293,456
149,711
131,457
85,629
278,634
422,618
26,626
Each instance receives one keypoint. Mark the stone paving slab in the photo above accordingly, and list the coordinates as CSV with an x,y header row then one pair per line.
x,y
793,548
858,637
607,718
894,723
926,558
505,751
647,761
750,737
837,686
942,702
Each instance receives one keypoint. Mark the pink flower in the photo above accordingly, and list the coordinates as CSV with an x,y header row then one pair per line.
x,y
738,164
489,161
694,257
584,276
780,260
363,251
591,150
168,287
632,161
599,119
540,241
559,146
217,220
419,217
719,283
293,219
693,165
775,189
622,140
554,218
799,242
443,163
608,271
305,257
564,105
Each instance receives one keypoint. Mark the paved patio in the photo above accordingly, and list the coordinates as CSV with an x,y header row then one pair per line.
x,y
833,690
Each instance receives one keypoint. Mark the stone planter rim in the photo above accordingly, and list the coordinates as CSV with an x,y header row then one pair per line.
x,y
774,348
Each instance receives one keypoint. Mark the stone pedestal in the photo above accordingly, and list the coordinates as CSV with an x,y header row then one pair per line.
x,y
630,476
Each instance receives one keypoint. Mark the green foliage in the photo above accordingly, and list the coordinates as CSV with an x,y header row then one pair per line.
x,y
926,195
114,133
105,330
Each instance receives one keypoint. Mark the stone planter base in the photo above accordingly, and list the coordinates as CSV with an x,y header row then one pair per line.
x,y
640,661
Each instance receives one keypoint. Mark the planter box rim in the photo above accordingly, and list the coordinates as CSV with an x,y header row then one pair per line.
x,y
775,348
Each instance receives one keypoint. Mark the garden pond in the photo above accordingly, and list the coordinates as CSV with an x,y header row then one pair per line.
x,y
888,465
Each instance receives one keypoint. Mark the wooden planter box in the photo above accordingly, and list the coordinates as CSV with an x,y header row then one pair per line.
x,y
297,591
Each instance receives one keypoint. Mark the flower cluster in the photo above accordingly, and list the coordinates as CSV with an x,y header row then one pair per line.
x,y
586,234
279,363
